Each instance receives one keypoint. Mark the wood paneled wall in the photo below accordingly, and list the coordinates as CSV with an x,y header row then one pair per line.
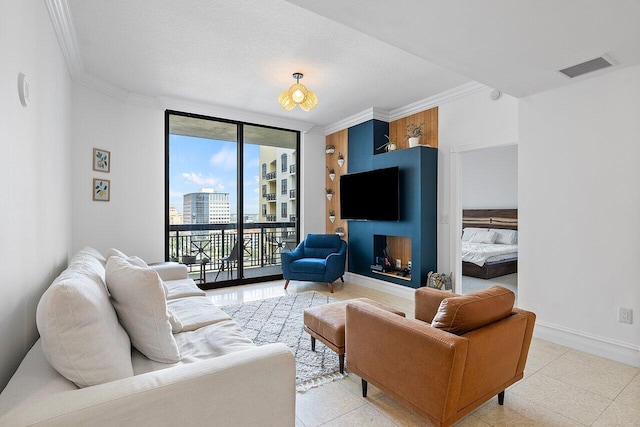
x,y
340,141
399,248
398,128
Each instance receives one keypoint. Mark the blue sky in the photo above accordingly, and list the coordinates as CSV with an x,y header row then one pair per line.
x,y
196,163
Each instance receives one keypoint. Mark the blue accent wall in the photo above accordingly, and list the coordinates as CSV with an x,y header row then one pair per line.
x,y
418,203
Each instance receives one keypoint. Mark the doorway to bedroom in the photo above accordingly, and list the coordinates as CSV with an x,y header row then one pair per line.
x,y
489,202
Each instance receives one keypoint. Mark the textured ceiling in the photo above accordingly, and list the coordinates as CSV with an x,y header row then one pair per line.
x,y
355,54
241,54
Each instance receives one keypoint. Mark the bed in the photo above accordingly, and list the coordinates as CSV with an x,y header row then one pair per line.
x,y
489,242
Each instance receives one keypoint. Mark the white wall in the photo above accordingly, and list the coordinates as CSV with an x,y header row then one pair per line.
x,y
35,177
470,122
490,178
580,210
312,182
133,221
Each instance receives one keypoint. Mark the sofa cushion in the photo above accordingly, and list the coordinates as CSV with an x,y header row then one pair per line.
x,y
321,245
115,252
183,288
139,299
308,265
462,314
79,330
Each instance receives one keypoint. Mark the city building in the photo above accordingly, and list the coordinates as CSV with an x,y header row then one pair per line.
x,y
206,207
277,184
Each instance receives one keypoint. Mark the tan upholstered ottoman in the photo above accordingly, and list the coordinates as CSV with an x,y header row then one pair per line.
x,y
327,322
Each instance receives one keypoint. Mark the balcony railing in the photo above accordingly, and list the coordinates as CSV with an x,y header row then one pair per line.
x,y
271,218
292,169
271,175
271,196
259,246
292,194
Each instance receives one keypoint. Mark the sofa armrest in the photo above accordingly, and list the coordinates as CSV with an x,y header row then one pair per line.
x,y
226,391
427,301
335,262
171,270
414,363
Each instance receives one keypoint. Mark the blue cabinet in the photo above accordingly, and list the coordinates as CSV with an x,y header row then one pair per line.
x,y
418,204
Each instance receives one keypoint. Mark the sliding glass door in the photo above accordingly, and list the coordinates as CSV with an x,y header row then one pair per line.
x,y
231,198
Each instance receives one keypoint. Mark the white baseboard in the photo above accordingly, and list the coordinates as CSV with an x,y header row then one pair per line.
x,y
356,280
600,346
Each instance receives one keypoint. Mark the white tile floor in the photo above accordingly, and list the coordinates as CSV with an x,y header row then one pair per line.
x,y
562,387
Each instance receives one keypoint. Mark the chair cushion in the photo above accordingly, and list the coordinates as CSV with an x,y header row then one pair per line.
x,y
139,299
462,314
321,245
308,265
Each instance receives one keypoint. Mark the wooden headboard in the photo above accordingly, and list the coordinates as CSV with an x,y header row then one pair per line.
x,y
490,218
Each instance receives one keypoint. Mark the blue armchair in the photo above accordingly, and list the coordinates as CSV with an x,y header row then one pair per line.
x,y
318,258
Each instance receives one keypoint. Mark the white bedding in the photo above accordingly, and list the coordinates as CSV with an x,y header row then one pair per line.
x,y
479,253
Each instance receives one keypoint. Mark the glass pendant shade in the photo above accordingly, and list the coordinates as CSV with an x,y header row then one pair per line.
x,y
297,94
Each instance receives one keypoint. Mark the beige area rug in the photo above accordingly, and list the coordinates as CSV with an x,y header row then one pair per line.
x,y
281,320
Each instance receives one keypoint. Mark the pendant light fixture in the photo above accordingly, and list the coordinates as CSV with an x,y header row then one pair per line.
x,y
298,94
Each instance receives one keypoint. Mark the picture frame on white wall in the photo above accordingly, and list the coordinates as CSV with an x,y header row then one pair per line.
x,y
101,190
101,160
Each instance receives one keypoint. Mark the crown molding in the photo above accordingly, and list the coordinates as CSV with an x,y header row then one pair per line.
x,y
66,34
356,119
398,113
436,100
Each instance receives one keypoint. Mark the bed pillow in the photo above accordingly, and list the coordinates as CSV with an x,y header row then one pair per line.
x,y
139,299
484,237
469,232
506,237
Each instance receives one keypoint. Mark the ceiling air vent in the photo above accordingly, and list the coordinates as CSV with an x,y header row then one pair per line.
x,y
586,67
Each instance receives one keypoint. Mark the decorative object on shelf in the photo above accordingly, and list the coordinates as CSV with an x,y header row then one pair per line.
x,y
329,149
101,160
101,190
332,216
298,94
414,132
340,159
340,231
329,193
332,173
389,145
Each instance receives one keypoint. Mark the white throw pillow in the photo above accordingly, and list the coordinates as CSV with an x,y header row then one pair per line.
x,y
114,252
79,331
506,237
139,299
478,237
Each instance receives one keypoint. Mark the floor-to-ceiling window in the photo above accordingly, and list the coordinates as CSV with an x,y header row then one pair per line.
x,y
231,200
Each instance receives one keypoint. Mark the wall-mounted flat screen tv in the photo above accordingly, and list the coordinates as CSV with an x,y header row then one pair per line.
x,y
371,195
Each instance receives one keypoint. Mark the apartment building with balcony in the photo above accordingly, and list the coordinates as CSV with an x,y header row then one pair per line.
x,y
278,201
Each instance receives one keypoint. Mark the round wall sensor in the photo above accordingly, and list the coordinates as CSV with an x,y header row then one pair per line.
x,y
23,90
495,95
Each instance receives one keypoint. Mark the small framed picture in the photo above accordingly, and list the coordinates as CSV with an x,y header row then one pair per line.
x,y
101,160
101,189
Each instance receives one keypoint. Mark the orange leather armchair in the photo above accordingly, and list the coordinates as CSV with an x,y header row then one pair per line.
x,y
455,355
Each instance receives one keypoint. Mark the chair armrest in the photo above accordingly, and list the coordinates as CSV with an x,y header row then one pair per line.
x,y
171,270
408,359
335,262
427,301
288,257
226,390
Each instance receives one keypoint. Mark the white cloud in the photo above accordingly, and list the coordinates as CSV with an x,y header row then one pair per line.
x,y
224,159
205,181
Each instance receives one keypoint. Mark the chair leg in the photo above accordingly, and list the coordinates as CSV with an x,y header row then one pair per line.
x,y
286,283
342,278
341,361
313,343
364,388
330,287
501,398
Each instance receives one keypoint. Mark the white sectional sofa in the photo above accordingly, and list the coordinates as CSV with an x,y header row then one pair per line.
x,y
84,371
